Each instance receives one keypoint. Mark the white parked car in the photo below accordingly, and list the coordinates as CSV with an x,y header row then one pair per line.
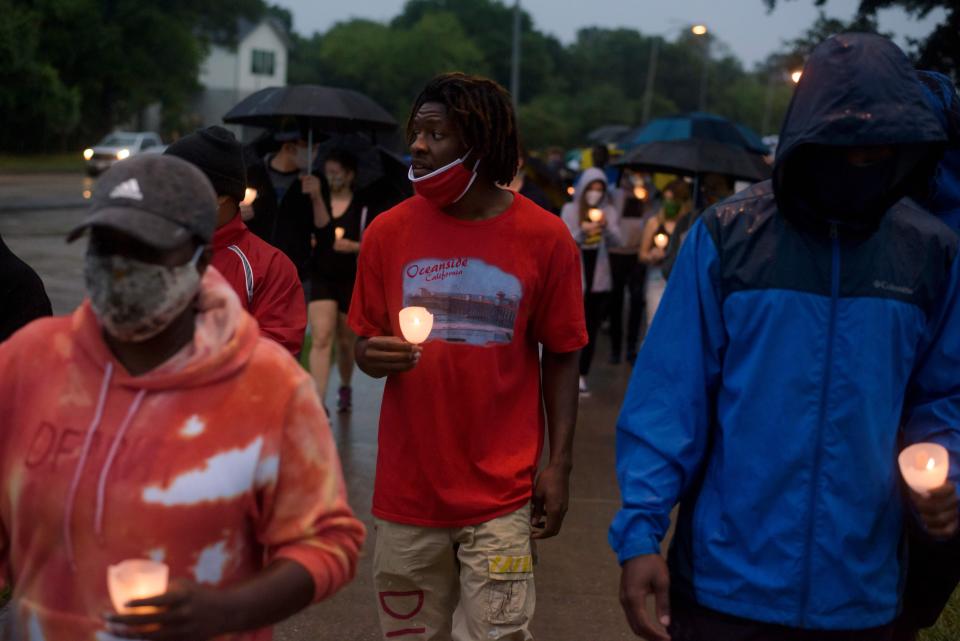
x,y
118,146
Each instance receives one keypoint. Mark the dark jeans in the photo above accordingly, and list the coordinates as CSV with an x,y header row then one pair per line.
x,y
690,621
933,571
595,308
629,275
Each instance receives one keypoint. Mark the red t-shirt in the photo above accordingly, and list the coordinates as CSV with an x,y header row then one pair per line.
x,y
461,434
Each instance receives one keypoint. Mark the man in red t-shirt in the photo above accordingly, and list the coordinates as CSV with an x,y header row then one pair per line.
x,y
263,277
457,495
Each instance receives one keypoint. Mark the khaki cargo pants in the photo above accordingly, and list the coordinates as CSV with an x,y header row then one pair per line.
x,y
471,583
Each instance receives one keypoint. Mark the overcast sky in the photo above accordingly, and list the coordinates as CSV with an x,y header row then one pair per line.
x,y
744,25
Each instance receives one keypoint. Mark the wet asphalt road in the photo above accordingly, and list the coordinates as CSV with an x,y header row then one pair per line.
x,y
577,574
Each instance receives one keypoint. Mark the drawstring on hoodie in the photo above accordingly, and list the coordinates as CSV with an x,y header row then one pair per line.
x,y
85,454
114,448
78,473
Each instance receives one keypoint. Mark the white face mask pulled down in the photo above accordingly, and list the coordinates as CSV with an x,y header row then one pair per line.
x,y
133,300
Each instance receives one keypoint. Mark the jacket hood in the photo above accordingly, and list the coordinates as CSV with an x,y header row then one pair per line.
x,y
223,342
944,198
588,176
856,90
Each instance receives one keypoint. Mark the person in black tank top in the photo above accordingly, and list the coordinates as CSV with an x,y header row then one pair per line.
x,y
333,272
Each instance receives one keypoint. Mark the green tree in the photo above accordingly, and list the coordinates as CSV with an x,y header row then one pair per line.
x,y
489,24
940,50
392,64
120,56
36,108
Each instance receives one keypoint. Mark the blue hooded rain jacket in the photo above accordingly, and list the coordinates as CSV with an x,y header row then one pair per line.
x,y
791,357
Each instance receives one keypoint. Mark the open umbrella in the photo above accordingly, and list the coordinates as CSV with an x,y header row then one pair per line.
x,y
313,108
607,134
697,157
323,108
697,126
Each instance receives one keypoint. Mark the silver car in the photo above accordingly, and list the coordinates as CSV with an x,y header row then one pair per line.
x,y
120,145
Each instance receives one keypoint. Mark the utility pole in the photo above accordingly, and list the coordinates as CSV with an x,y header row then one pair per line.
x,y
515,63
651,77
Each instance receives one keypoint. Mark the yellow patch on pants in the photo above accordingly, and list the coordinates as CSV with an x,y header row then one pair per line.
x,y
511,564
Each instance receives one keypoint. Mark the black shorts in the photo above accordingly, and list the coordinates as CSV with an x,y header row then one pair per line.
x,y
339,290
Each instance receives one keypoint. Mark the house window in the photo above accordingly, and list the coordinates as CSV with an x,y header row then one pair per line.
x,y
262,62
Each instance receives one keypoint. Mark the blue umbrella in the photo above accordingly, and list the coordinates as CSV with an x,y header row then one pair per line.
x,y
697,126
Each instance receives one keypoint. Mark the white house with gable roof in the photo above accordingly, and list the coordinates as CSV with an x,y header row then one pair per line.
x,y
231,73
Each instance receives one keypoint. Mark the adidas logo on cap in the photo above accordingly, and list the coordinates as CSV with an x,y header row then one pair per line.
x,y
127,189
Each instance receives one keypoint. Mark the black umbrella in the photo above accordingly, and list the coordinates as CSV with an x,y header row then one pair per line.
x,y
373,161
607,134
381,173
697,157
328,109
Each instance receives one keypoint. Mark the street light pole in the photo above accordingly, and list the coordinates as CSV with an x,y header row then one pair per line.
x,y
651,76
768,106
515,63
701,30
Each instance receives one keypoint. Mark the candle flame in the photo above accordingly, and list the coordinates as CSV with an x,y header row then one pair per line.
x,y
249,196
639,193
931,464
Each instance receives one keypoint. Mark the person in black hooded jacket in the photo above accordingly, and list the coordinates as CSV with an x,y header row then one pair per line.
x,y
21,292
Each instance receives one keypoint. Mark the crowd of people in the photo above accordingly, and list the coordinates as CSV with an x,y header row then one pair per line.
x,y
810,331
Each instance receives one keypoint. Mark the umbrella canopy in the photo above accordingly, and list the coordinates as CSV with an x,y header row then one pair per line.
x,y
698,126
697,157
607,134
374,162
311,106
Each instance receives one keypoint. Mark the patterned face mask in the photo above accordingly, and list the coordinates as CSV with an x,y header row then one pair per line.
x,y
135,301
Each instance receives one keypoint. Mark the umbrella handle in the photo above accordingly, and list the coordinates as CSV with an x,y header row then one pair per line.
x,y
309,150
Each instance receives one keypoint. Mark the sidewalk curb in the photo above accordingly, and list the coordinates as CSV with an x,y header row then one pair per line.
x,y
35,206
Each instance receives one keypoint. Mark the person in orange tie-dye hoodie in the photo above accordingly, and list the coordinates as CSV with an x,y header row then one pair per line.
x,y
155,422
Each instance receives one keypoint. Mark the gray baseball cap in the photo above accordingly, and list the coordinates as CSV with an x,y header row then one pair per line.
x,y
162,201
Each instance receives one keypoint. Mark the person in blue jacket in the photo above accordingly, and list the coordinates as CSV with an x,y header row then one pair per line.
x,y
810,329
934,566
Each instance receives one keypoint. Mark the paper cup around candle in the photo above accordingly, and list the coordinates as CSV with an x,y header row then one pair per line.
x,y
249,196
416,323
924,466
661,240
136,579
595,215
339,233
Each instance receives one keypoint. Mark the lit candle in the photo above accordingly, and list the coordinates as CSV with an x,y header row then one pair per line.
x,y
595,215
924,466
639,193
339,232
661,240
136,579
571,191
416,323
249,196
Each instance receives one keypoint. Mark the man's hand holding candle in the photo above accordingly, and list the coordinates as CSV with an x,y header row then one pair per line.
x,y
384,355
939,510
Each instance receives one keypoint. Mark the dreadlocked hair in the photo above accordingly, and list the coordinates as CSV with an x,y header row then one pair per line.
x,y
483,113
